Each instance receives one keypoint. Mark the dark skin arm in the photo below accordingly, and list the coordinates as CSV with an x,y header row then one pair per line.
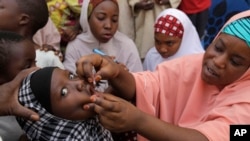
x,y
9,104
118,115
117,75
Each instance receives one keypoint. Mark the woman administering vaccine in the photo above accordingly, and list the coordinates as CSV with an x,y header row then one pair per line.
x,y
195,97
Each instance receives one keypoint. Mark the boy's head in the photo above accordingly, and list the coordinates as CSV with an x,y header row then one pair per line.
x,y
23,16
16,53
61,93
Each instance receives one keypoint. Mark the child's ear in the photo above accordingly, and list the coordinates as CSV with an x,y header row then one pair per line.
x,y
24,19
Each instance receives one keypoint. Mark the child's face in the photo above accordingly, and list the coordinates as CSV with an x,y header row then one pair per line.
x,y
166,45
225,60
9,13
68,95
103,21
22,56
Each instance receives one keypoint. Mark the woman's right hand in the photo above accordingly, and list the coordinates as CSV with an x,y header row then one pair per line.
x,y
105,67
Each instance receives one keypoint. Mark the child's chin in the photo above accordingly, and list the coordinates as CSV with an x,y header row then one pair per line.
x,y
83,116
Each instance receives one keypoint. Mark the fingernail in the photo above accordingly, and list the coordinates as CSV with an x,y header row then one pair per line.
x,y
93,99
86,107
34,117
90,80
98,78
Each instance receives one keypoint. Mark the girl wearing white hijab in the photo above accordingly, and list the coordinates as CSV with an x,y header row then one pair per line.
x,y
175,36
99,22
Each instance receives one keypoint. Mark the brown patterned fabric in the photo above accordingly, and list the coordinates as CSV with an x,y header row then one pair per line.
x,y
94,3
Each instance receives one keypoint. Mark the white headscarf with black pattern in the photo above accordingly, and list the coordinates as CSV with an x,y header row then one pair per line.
x,y
52,128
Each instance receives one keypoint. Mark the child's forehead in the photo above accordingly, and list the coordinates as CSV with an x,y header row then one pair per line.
x,y
58,73
61,72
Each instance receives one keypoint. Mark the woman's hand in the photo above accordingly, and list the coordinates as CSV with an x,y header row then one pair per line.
x,y
9,104
105,67
115,114
118,115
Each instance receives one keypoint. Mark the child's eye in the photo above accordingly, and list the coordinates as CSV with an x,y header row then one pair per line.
x,y
169,43
64,92
72,76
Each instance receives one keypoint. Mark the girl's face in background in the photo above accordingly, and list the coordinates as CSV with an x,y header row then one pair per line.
x,y
68,95
103,21
166,45
225,60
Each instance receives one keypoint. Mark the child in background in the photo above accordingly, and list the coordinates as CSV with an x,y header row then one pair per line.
x,y
26,18
99,22
145,13
16,53
58,96
175,36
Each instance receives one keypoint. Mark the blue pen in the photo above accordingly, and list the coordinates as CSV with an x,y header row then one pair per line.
x,y
98,51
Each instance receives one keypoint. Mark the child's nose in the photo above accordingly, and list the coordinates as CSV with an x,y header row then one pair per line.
x,y
163,49
108,24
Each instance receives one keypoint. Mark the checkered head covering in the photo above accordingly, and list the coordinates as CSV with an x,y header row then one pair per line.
x,y
52,128
169,25
94,3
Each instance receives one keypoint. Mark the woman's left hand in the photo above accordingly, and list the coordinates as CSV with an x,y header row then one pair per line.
x,y
115,114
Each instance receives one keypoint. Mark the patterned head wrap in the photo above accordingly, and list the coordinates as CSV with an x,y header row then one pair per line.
x,y
169,25
53,128
239,28
94,3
